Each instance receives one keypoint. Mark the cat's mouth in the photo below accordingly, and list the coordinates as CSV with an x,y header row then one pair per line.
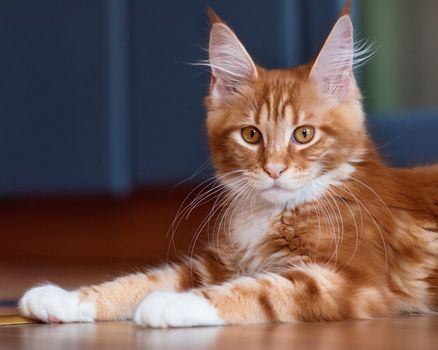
x,y
277,194
277,188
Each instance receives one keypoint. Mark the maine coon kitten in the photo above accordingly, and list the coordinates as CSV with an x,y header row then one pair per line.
x,y
323,230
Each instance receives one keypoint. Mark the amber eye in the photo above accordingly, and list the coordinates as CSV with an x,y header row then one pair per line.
x,y
251,134
304,134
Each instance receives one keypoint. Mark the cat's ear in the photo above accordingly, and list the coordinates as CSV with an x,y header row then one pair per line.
x,y
333,67
231,65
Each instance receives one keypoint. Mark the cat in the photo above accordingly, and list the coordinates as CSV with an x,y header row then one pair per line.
x,y
318,228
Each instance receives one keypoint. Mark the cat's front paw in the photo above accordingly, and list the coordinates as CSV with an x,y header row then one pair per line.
x,y
50,303
169,309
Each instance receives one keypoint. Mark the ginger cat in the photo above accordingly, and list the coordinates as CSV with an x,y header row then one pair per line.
x,y
317,227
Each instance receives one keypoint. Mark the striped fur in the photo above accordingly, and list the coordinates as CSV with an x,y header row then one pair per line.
x,y
338,236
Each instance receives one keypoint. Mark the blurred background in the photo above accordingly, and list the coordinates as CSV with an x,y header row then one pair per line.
x,y
101,115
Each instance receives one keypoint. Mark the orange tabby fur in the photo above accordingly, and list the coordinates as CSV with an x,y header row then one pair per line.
x,y
365,247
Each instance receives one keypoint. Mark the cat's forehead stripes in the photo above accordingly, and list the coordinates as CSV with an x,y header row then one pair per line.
x,y
277,99
276,103
287,110
276,107
261,113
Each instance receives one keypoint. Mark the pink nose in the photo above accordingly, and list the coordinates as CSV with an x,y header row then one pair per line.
x,y
274,170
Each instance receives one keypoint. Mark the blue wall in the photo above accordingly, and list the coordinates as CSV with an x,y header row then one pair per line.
x,y
101,96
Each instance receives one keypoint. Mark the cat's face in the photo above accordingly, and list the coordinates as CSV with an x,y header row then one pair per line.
x,y
284,135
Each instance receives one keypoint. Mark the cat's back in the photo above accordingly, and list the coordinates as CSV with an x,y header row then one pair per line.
x,y
422,177
419,186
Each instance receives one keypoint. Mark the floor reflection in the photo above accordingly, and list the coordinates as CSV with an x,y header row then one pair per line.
x,y
401,333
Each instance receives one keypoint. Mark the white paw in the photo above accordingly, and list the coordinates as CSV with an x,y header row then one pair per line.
x,y
170,309
50,303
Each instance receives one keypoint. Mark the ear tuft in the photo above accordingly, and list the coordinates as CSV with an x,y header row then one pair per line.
x,y
214,18
347,9
333,68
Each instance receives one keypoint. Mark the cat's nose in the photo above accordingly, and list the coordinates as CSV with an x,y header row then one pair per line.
x,y
275,170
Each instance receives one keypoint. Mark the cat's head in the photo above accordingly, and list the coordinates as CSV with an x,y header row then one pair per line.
x,y
286,134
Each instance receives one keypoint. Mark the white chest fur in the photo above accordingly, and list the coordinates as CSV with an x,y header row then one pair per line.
x,y
252,222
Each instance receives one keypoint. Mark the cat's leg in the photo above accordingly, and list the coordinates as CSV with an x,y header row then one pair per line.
x,y
115,300
310,293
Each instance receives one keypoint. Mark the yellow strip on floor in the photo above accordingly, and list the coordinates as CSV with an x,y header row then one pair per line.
x,y
15,319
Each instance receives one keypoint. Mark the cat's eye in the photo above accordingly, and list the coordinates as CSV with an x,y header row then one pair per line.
x,y
251,134
304,134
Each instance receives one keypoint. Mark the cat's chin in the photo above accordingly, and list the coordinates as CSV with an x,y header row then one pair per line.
x,y
280,196
277,195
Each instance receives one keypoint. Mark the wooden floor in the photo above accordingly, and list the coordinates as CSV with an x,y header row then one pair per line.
x,y
405,333
78,242
402,333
